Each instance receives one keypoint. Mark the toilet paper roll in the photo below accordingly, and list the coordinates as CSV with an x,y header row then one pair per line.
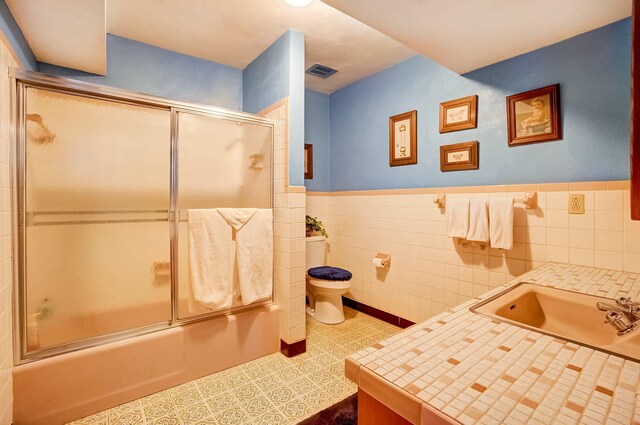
x,y
377,262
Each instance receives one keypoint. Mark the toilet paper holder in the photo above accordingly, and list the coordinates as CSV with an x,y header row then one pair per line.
x,y
382,260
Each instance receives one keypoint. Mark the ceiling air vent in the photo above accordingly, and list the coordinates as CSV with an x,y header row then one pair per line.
x,y
321,71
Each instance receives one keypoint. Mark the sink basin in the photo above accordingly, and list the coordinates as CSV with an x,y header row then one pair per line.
x,y
565,314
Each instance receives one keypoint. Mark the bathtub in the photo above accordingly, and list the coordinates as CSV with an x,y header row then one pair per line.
x,y
73,385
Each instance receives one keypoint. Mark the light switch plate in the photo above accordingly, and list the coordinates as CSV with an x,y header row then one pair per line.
x,y
576,203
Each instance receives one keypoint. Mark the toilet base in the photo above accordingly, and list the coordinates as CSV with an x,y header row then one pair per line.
x,y
325,300
328,309
311,312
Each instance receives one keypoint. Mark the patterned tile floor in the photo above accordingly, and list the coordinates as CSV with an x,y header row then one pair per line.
x,y
272,390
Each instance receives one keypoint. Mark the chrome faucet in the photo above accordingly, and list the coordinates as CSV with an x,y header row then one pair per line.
x,y
623,316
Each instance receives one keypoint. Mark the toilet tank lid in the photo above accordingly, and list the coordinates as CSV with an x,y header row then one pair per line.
x,y
315,238
329,273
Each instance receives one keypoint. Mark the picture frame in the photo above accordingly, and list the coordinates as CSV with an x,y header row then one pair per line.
x,y
534,116
403,135
308,161
459,114
459,156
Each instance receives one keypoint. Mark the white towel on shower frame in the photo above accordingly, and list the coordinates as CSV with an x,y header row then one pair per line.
x,y
211,258
213,254
254,251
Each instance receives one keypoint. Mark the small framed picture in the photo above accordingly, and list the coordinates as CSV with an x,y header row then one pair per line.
x,y
403,149
459,114
308,161
534,116
459,156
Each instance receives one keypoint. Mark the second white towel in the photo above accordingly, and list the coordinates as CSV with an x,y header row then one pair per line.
x,y
501,222
254,253
478,220
212,257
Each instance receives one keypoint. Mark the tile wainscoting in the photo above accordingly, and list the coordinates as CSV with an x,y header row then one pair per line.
x,y
7,59
289,231
430,273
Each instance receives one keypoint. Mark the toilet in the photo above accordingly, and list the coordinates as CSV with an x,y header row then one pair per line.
x,y
325,285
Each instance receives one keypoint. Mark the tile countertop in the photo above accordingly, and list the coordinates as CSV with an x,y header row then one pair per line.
x,y
464,367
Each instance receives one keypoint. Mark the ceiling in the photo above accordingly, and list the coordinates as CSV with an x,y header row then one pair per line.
x,y
68,33
464,35
369,36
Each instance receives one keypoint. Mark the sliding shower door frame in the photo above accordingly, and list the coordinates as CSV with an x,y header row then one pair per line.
x,y
21,80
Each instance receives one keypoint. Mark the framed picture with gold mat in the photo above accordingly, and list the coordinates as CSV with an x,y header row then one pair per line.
x,y
459,156
403,134
459,114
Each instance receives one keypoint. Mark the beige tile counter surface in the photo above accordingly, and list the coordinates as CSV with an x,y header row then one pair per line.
x,y
463,367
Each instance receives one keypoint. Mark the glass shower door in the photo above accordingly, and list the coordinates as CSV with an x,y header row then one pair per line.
x,y
222,163
95,234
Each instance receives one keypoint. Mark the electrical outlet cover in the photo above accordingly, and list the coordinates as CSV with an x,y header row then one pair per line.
x,y
576,203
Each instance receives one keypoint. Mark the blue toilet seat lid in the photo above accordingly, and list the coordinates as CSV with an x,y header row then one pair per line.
x,y
329,273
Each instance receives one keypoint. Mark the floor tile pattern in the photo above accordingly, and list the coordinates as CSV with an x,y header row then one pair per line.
x,y
272,390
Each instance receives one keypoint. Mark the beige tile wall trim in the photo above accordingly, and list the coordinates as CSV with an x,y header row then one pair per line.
x,y
264,112
542,187
8,59
295,189
9,47
286,142
273,107
289,212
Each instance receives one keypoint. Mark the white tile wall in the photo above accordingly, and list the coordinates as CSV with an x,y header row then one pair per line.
x,y
6,318
289,232
429,273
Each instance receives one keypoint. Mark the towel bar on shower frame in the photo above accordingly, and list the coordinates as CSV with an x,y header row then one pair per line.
x,y
116,217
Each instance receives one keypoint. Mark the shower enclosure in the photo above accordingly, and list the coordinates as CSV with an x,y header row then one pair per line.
x,y
104,180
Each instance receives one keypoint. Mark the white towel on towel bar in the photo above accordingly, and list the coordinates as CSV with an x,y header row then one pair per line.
x,y
478,220
457,217
501,223
254,251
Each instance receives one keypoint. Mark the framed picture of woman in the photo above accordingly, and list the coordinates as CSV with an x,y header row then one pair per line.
x,y
534,116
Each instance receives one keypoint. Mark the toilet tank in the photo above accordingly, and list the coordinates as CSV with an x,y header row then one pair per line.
x,y
315,251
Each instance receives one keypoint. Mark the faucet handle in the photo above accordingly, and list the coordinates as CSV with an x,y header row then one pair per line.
x,y
625,301
632,306
620,322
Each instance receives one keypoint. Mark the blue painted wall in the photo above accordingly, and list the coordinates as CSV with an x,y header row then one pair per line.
x,y
13,33
593,70
266,79
147,69
296,110
277,73
316,127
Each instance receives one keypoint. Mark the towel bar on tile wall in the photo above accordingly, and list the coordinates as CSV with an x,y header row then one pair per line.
x,y
530,200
